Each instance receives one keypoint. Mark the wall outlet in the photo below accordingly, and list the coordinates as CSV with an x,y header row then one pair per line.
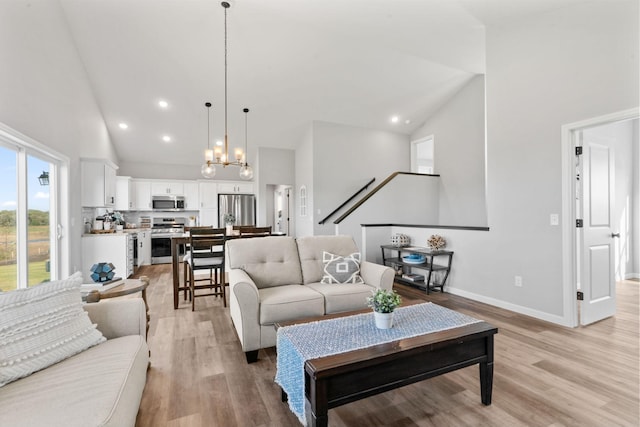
x,y
554,219
518,281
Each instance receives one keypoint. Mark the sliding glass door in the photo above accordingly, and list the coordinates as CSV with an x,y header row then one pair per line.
x,y
8,224
28,239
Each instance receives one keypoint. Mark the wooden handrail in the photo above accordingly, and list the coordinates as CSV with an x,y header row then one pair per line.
x,y
347,201
374,191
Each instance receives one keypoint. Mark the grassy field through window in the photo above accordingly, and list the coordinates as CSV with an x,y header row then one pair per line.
x,y
38,256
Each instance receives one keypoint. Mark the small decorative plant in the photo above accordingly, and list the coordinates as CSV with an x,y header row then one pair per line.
x,y
229,218
384,301
436,242
116,218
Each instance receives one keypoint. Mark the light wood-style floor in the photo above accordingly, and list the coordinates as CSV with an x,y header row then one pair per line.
x,y
545,375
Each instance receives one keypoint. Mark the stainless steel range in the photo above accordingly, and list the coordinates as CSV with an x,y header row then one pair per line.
x,y
161,232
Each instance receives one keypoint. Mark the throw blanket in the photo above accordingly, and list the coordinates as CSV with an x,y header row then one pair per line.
x,y
299,343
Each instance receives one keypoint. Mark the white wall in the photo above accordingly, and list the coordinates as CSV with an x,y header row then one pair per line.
x,y
406,199
168,171
458,129
45,93
278,168
568,65
557,68
345,158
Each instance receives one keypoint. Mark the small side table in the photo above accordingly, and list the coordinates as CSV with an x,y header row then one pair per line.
x,y
128,287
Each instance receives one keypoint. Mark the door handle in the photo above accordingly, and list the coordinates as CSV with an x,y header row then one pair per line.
x,y
615,235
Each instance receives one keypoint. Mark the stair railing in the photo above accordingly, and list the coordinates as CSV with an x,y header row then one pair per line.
x,y
347,201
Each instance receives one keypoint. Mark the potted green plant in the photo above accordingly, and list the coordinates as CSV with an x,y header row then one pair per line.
x,y
383,302
229,219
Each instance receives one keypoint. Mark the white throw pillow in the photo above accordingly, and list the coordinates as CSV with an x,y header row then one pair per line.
x,y
339,269
43,325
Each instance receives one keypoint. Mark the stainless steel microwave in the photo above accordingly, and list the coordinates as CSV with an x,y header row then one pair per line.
x,y
167,203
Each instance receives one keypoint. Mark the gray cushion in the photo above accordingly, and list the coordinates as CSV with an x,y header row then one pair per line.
x,y
269,261
311,248
341,269
346,297
289,302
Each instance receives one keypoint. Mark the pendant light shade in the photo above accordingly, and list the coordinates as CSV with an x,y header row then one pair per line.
x,y
246,171
208,170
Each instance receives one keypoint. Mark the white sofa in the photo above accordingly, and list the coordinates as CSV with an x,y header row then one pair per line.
x,y
101,386
274,279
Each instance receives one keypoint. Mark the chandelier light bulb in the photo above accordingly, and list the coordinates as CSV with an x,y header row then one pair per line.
x,y
208,170
246,172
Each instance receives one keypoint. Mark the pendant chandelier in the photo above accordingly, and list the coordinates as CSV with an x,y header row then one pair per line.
x,y
217,156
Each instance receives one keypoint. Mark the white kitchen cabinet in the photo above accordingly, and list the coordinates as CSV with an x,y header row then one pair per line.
x,y
235,187
144,247
159,188
116,248
142,190
125,194
208,195
98,183
191,196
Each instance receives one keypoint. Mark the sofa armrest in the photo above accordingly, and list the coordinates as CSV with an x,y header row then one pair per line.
x,y
244,306
119,317
376,275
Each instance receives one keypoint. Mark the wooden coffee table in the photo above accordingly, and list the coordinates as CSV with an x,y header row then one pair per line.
x,y
339,379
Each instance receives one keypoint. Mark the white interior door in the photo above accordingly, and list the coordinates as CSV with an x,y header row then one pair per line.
x,y
597,261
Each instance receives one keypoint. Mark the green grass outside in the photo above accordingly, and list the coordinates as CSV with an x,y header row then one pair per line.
x,y
37,274
38,255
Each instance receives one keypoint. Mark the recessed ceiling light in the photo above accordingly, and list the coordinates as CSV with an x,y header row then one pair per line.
x,y
394,119
163,104
219,143
123,125
166,138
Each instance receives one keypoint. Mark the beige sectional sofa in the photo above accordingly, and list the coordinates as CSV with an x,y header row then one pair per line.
x,y
101,386
273,279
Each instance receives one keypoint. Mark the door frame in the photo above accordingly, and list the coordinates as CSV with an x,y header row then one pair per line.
x,y
569,234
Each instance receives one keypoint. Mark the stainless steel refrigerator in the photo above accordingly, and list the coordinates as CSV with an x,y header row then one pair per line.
x,y
242,206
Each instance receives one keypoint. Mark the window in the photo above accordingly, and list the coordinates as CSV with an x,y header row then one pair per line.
x,y
303,201
29,241
422,155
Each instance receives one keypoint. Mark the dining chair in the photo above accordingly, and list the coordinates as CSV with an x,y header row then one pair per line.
x,y
187,255
246,231
206,252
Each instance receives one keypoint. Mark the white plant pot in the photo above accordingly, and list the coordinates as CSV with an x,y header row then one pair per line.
x,y
383,320
229,229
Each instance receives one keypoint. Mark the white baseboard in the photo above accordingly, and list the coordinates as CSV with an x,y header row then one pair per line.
x,y
558,320
631,276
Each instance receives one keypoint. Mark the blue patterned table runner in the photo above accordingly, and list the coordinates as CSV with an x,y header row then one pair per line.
x,y
298,343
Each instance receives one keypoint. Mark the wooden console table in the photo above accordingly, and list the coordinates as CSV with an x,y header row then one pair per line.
x,y
397,262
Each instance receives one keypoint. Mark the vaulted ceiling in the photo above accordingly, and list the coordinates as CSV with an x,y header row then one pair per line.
x,y
356,62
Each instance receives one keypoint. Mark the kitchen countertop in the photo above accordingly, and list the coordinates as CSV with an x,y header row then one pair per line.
x,y
118,233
